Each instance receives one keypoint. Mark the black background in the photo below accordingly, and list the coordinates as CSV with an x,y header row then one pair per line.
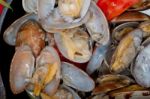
x,y
7,52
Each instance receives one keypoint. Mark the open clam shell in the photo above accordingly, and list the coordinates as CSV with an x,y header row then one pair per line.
x,y
126,51
131,16
73,10
111,82
10,33
47,72
97,25
123,29
74,44
21,69
55,22
76,78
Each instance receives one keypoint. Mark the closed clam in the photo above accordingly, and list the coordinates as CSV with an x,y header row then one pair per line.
x,y
76,78
141,68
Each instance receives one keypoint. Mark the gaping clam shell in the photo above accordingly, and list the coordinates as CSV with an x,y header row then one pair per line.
x,y
97,25
10,33
111,82
30,33
30,6
73,10
76,78
126,51
123,29
74,44
55,21
141,69
21,69
131,16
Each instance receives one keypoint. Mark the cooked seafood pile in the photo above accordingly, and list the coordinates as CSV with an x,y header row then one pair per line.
x,y
56,38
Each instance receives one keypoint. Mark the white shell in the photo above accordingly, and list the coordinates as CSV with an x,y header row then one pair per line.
x,y
76,78
141,69
97,25
30,6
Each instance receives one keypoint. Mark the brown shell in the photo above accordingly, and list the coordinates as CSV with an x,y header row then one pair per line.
x,y
31,34
130,16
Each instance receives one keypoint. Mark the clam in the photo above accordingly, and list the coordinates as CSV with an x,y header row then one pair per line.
x,y
123,29
76,78
131,16
97,25
141,5
141,68
97,58
111,82
21,69
47,70
126,51
74,44
73,10
10,33
54,22
30,33
63,92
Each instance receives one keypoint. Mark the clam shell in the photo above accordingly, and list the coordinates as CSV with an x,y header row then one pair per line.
x,y
21,69
79,38
145,26
126,51
10,33
111,82
141,5
76,78
82,10
55,22
97,25
131,17
141,69
116,33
